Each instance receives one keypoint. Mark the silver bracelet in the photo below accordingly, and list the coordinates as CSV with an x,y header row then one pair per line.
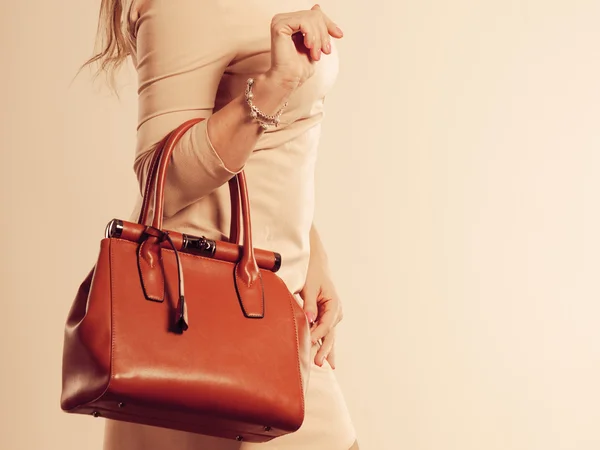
x,y
266,121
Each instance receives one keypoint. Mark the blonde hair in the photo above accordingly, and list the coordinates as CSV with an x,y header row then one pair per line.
x,y
112,44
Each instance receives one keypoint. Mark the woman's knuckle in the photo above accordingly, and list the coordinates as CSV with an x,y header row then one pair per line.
x,y
314,15
276,27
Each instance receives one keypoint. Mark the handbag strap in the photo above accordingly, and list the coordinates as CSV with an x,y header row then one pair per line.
x,y
247,279
234,227
150,180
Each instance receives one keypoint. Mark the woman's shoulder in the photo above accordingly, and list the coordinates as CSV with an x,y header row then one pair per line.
x,y
134,9
190,26
184,16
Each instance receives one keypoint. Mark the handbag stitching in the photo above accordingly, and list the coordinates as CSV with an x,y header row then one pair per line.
x,y
112,323
162,281
112,340
177,422
148,178
301,381
239,294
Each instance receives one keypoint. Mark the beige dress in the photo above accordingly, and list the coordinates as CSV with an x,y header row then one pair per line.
x,y
192,58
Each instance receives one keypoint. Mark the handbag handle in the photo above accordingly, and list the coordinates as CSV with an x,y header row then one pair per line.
x,y
234,232
248,280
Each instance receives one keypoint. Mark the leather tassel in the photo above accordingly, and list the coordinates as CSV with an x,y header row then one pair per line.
x,y
181,320
181,317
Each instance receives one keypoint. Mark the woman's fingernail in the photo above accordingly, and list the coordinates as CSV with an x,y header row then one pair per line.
x,y
328,47
339,30
311,317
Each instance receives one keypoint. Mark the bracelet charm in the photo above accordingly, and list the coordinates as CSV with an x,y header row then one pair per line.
x,y
266,121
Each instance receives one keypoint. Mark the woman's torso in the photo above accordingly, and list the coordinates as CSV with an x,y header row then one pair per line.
x,y
280,171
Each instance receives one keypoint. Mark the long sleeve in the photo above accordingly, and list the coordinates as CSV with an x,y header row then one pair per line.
x,y
182,50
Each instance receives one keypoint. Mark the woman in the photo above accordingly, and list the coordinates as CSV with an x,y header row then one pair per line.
x,y
194,59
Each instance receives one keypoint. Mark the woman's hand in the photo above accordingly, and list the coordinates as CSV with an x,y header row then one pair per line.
x,y
297,41
322,305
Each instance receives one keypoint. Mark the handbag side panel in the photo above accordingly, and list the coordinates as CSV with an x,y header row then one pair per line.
x,y
86,361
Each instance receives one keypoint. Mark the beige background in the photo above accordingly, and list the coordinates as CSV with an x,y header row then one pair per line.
x,y
458,198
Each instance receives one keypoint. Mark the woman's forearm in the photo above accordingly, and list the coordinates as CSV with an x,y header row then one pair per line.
x,y
231,130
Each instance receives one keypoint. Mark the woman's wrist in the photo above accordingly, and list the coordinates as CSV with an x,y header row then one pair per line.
x,y
273,85
281,81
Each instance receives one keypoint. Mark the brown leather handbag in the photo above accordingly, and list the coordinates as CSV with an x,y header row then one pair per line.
x,y
229,357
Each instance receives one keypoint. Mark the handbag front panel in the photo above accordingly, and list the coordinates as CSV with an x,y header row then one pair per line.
x,y
225,365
